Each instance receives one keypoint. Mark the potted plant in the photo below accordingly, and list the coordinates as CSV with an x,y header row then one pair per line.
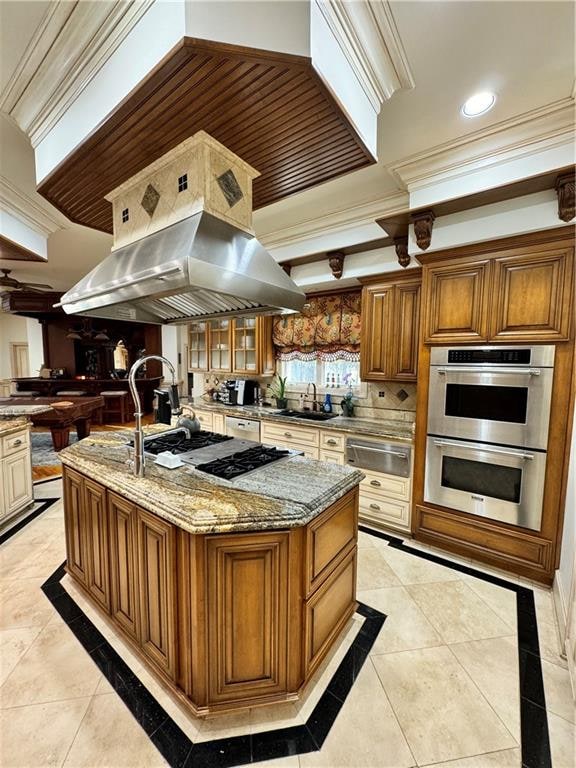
x,y
347,401
279,392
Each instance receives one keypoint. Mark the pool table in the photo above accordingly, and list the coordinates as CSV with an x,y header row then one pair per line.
x,y
60,418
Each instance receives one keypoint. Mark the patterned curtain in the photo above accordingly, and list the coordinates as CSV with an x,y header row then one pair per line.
x,y
328,328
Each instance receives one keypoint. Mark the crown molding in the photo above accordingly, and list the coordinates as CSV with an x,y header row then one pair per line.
x,y
338,221
27,210
84,35
369,39
543,128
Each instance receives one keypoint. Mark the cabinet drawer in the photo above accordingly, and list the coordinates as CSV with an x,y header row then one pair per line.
x,y
384,511
333,441
333,457
294,434
205,419
327,539
15,442
388,485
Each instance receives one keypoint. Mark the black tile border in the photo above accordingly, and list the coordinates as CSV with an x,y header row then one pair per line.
x,y
172,743
534,735
26,518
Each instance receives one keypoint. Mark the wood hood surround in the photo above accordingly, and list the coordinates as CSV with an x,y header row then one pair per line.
x,y
272,109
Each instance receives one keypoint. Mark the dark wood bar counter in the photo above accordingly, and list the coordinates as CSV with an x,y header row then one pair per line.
x,y
50,387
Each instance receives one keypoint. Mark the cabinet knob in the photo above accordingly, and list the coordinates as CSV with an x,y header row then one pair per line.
x,y
375,506
376,483
17,442
331,442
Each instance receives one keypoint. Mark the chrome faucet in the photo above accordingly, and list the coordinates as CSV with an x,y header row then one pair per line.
x,y
137,463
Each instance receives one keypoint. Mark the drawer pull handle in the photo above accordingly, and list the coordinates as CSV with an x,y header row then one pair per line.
x,y
17,442
287,434
331,442
376,482
375,506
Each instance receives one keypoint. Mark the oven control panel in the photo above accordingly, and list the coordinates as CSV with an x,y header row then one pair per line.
x,y
493,356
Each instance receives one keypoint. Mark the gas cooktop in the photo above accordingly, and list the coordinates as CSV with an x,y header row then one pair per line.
x,y
219,455
180,441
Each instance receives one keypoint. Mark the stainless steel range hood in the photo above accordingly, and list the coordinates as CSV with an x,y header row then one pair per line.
x,y
199,267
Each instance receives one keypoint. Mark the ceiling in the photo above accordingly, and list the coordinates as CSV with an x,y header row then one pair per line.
x,y
522,50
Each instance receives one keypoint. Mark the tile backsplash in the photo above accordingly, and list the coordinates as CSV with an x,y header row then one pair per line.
x,y
384,400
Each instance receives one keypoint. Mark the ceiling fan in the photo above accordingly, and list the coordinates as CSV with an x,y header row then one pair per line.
x,y
12,284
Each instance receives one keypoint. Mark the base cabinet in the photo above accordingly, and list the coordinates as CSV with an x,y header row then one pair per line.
x,y
226,620
157,589
16,490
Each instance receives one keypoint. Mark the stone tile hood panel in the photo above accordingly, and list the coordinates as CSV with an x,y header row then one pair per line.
x,y
185,250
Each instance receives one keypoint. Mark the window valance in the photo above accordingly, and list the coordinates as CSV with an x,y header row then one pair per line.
x,y
328,325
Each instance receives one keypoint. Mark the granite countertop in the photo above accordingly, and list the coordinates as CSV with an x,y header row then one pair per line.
x,y
285,494
12,424
23,410
401,431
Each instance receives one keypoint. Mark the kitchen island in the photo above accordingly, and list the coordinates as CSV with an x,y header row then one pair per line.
x,y
232,592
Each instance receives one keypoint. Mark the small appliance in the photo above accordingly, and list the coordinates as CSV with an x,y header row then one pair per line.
x,y
240,391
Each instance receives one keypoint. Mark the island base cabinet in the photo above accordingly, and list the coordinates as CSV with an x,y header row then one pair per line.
x,y
157,598
122,521
247,615
228,620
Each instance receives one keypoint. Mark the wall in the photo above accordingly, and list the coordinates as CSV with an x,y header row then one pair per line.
x,y
12,330
35,345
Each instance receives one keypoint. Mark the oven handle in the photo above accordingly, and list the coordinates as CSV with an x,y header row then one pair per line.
x,y
378,450
516,454
463,369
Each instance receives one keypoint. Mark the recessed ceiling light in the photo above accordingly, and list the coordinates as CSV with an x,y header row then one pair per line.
x,y
478,104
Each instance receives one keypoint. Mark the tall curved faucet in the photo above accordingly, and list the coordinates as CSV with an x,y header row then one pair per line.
x,y
138,463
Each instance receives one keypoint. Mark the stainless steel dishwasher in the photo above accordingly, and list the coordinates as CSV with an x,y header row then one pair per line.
x,y
248,429
391,458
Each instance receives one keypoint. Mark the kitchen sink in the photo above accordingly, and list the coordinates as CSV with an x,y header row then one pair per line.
x,y
310,415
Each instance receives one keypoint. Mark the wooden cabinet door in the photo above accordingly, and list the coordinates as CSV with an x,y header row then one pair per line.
x,y
377,318
123,594
17,481
198,346
247,609
157,592
403,343
266,356
455,303
98,581
532,296
76,525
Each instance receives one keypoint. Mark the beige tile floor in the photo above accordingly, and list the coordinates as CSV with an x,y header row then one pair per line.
x,y
440,687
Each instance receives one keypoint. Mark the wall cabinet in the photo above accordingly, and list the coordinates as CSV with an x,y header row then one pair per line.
x,y
390,321
16,491
240,346
518,295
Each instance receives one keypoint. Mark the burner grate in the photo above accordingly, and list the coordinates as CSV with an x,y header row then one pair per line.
x,y
179,442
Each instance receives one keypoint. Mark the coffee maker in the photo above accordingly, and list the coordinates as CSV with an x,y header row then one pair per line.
x,y
240,391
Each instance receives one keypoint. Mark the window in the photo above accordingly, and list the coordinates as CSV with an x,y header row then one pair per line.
x,y
125,215
333,374
182,182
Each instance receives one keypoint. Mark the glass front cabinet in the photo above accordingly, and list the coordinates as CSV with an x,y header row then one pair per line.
x,y
240,345
198,346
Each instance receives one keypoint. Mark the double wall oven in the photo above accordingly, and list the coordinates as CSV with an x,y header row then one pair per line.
x,y
488,416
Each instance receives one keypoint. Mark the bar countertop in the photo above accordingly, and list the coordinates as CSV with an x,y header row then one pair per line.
x,y
285,494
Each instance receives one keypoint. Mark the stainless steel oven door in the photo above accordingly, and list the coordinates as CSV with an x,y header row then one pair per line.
x,y
487,480
499,405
